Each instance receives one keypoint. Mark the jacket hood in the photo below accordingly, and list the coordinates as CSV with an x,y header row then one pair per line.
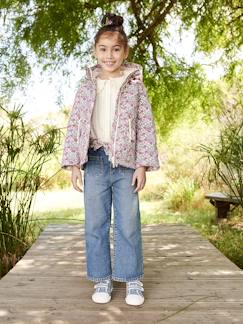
x,y
129,67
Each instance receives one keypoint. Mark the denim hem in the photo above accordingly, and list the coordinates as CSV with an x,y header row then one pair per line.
x,y
128,279
98,279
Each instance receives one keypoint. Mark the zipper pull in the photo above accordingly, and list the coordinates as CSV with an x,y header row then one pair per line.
x,y
113,161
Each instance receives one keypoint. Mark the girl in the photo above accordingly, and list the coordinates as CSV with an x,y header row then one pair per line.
x,y
111,136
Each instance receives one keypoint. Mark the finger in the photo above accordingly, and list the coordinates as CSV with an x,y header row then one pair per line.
x,y
134,179
78,188
80,180
75,185
142,185
144,180
138,185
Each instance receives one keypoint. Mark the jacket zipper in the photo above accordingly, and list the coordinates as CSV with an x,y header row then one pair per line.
x,y
114,147
118,105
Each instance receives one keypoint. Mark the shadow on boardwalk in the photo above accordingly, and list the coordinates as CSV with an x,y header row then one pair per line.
x,y
187,280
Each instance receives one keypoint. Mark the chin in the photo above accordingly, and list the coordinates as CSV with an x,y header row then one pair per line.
x,y
110,68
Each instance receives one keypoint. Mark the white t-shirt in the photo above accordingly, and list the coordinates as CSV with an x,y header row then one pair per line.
x,y
104,110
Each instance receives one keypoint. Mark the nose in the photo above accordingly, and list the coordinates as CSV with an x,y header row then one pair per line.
x,y
109,54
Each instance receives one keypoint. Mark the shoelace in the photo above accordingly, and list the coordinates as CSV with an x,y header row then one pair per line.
x,y
103,286
135,287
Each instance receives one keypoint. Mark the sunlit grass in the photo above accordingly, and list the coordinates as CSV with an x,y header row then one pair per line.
x,y
60,216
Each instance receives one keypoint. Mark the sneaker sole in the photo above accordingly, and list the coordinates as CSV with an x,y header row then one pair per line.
x,y
102,302
133,304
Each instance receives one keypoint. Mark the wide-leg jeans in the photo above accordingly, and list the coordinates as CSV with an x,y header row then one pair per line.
x,y
104,187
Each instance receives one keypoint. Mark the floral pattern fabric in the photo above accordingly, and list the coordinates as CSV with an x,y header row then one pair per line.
x,y
133,139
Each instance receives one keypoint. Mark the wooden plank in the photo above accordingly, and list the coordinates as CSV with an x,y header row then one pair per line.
x,y
187,280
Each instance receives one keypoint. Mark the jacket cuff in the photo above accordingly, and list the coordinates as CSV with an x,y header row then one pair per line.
x,y
138,166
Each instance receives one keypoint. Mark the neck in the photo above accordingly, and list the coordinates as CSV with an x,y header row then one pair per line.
x,y
116,74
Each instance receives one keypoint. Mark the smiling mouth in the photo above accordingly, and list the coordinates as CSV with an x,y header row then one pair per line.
x,y
109,63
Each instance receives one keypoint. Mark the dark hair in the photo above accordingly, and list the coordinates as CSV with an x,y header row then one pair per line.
x,y
112,23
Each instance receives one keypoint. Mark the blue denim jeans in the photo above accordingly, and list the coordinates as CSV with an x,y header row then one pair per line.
x,y
105,186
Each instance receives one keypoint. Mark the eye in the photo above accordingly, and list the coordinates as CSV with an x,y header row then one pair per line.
x,y
117,49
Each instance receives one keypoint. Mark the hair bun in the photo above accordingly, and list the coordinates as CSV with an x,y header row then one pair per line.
x,y
112,19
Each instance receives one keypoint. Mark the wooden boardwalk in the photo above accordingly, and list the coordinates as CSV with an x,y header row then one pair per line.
x,y
187,280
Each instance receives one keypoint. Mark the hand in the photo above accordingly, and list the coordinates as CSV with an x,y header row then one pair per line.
x,y
140,176
77,178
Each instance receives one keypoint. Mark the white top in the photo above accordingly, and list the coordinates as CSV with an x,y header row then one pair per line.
x,y
104,109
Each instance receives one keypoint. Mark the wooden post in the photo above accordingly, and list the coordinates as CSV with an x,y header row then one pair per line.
x,y
222,208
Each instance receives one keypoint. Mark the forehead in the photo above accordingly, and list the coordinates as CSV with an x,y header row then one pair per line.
x,y
109,39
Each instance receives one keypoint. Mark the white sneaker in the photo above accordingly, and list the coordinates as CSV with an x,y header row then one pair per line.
x,y
134,290
102,292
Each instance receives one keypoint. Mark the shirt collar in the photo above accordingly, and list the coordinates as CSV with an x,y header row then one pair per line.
x,y
93,72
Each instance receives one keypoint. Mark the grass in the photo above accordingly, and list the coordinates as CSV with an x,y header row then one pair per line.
x,y
60,216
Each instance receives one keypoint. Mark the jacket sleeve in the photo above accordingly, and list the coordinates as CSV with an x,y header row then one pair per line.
x,y
70,152
146,142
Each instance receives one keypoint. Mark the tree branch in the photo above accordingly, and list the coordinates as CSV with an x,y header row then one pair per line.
x,y
88,5
135,8
158,20
155,5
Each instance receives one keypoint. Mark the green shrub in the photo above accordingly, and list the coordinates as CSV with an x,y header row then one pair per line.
x,y
225,157
180,194
23,152
153,192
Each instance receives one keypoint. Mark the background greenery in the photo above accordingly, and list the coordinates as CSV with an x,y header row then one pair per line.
x,y
189,109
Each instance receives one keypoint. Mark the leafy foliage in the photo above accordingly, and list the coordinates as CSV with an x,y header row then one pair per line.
x,y
55,30
226,156
50,32
23,152
181,92
218,23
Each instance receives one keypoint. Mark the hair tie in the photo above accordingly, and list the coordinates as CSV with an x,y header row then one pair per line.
x,y
108,21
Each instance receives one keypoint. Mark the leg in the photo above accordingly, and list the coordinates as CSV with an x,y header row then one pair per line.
x,y
128,254
97,202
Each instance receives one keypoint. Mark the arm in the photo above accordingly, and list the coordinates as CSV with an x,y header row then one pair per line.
x,y
70,153
146,144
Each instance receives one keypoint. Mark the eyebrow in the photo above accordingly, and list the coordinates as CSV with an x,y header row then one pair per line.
x,y
112,46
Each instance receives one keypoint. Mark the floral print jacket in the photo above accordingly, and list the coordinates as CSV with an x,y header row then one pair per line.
x,y
133,137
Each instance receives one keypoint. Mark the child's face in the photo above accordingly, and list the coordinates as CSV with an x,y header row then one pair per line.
x,y
110,54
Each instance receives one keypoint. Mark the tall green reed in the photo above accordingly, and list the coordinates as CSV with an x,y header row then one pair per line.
x,y
225,157
23,152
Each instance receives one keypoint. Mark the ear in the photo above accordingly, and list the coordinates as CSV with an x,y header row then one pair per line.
x,y
126,52
93,52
